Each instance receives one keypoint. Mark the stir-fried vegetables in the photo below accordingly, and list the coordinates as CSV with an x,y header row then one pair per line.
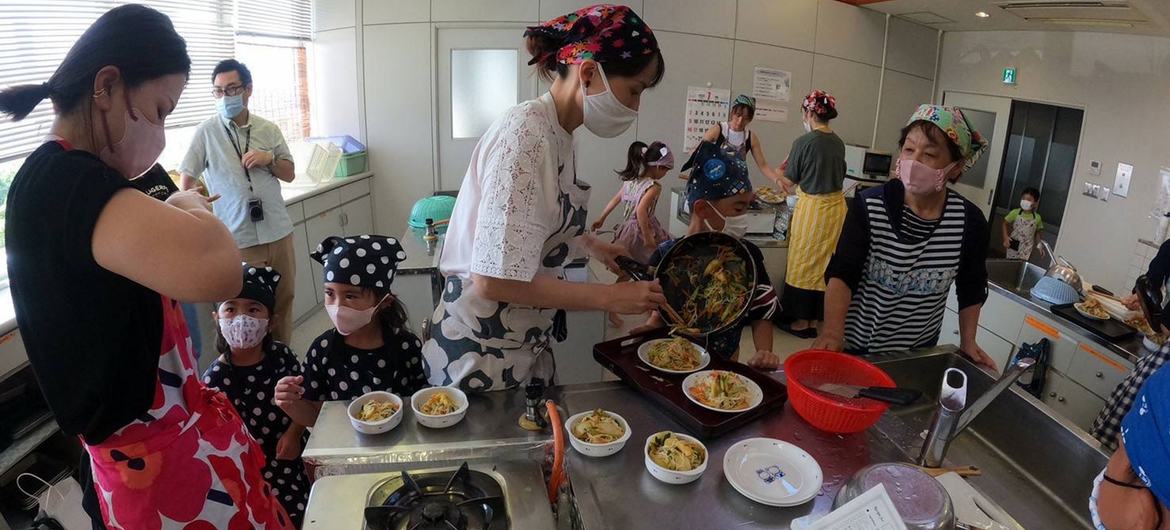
x,y
718,290
438,404
674,453
375,410
721,390
598,427
675,354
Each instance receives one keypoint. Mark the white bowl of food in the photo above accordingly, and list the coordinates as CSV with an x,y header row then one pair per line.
x,y
375,412
675,355
597,432
439,407
675,458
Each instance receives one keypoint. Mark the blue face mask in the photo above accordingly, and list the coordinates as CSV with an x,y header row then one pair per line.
x,y
230,106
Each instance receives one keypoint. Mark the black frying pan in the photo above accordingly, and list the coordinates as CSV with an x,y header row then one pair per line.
x,y
693,253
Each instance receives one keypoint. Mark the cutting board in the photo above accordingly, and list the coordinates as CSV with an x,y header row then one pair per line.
x,y
620,356
1111,330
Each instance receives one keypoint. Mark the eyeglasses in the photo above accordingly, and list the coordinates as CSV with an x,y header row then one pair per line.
x,y
233,90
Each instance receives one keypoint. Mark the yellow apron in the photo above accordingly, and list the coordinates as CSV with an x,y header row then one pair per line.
x,y
812,238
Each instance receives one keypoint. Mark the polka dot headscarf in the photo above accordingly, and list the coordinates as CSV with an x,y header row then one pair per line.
x,y
260,285
368,261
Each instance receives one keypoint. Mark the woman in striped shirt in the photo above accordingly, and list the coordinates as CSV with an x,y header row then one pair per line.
x,y
905,243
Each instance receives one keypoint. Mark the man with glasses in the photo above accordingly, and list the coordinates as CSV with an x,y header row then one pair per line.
x,y
242,158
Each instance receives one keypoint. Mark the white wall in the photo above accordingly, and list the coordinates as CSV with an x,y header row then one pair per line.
x,y
1120,81
824,43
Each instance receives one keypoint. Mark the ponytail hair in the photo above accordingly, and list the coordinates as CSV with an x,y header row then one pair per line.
x,y
635,162
141,42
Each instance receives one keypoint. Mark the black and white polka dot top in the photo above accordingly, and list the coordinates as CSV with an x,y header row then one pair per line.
x,y
337,371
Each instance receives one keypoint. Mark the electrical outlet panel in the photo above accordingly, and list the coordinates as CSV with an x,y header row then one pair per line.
x,y
1104,195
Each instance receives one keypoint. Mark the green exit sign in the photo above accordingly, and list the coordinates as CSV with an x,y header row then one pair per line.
x,y
1009,76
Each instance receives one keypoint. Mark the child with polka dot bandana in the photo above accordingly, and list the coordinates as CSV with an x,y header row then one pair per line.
x,y
249,365
370,346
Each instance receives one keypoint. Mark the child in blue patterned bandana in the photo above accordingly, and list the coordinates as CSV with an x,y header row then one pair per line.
x,y
719,193
371,346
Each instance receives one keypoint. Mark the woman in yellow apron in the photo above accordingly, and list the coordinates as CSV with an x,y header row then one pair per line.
x,y
816,167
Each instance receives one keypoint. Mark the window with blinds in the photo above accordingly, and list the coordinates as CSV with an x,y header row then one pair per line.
x,y
35,35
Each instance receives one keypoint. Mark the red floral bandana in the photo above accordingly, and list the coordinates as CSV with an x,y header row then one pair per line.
x,y
603,33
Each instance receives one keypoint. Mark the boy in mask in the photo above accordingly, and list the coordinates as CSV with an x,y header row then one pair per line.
x,y
718,194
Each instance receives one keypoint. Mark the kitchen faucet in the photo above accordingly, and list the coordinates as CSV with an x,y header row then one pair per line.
x,y
951,418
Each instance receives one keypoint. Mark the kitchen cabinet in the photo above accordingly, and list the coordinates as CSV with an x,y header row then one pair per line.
x,y
308,290
1073,401
319,227
949,333
997,347
357,217
1098,371
1064,346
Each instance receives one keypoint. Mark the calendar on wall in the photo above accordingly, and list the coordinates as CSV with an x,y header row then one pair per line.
x,y
705,107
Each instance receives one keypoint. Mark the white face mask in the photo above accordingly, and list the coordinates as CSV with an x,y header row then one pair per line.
x,y
1093,501
348,320
243,331
605,116
1026,205
735,226
807,127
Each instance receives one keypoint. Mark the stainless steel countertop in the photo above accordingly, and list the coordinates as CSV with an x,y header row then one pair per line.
x,y
617,492
489,428
1130,349
419,257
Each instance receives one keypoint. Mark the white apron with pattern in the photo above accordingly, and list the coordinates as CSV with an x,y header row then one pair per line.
x,y
1024,231
479,344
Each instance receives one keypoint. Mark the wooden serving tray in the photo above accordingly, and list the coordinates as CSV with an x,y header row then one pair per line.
x,y
620,356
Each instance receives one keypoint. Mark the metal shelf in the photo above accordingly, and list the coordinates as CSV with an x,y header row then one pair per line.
x,y
24,446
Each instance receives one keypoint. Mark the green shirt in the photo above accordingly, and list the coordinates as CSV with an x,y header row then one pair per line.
x,y
817,163
1017,213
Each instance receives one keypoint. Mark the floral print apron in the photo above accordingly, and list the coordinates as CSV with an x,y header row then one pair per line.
x,y
479,344
186,463
1024,231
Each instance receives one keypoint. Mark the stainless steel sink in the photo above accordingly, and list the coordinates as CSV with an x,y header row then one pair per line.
x,y
1036,465
1014,275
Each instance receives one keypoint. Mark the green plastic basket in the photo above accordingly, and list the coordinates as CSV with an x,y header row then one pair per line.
x,y
437,208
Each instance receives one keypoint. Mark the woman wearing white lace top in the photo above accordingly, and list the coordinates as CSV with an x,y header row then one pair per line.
x,y
521,212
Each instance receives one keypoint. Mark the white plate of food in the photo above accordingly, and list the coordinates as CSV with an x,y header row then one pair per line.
x,y
375,412
768,195
722,391
675,458
772,472
439,407
597,432
1091,309
675,355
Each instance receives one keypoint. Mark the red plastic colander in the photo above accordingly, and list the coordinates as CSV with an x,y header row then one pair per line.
x,y
827,412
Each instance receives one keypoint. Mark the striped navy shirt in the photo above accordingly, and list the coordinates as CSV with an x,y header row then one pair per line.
x,y
900,268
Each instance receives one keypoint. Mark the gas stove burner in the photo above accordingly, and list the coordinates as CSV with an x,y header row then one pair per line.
x,y
463,500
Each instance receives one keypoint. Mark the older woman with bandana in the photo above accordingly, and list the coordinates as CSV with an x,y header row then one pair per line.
x,y
906,242
521,214
1133,491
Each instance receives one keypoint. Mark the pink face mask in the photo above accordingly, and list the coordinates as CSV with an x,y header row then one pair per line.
x,y
141,144
348,320
921,179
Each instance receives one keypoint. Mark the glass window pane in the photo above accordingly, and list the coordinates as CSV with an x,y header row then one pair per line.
x,y
483,86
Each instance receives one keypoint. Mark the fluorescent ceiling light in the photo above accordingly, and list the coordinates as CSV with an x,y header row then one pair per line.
x,y
981,14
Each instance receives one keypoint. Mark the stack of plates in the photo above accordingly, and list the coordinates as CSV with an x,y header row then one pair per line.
x,y
772,472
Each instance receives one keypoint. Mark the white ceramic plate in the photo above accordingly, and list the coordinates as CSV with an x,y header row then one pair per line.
x,y
1087,314
772,472
644,356
755,394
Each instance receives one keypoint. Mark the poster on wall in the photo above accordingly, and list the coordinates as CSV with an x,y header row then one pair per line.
x,y
767,110
705,107
771,83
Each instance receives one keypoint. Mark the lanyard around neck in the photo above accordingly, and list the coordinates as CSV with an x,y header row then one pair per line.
x,y
236,146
